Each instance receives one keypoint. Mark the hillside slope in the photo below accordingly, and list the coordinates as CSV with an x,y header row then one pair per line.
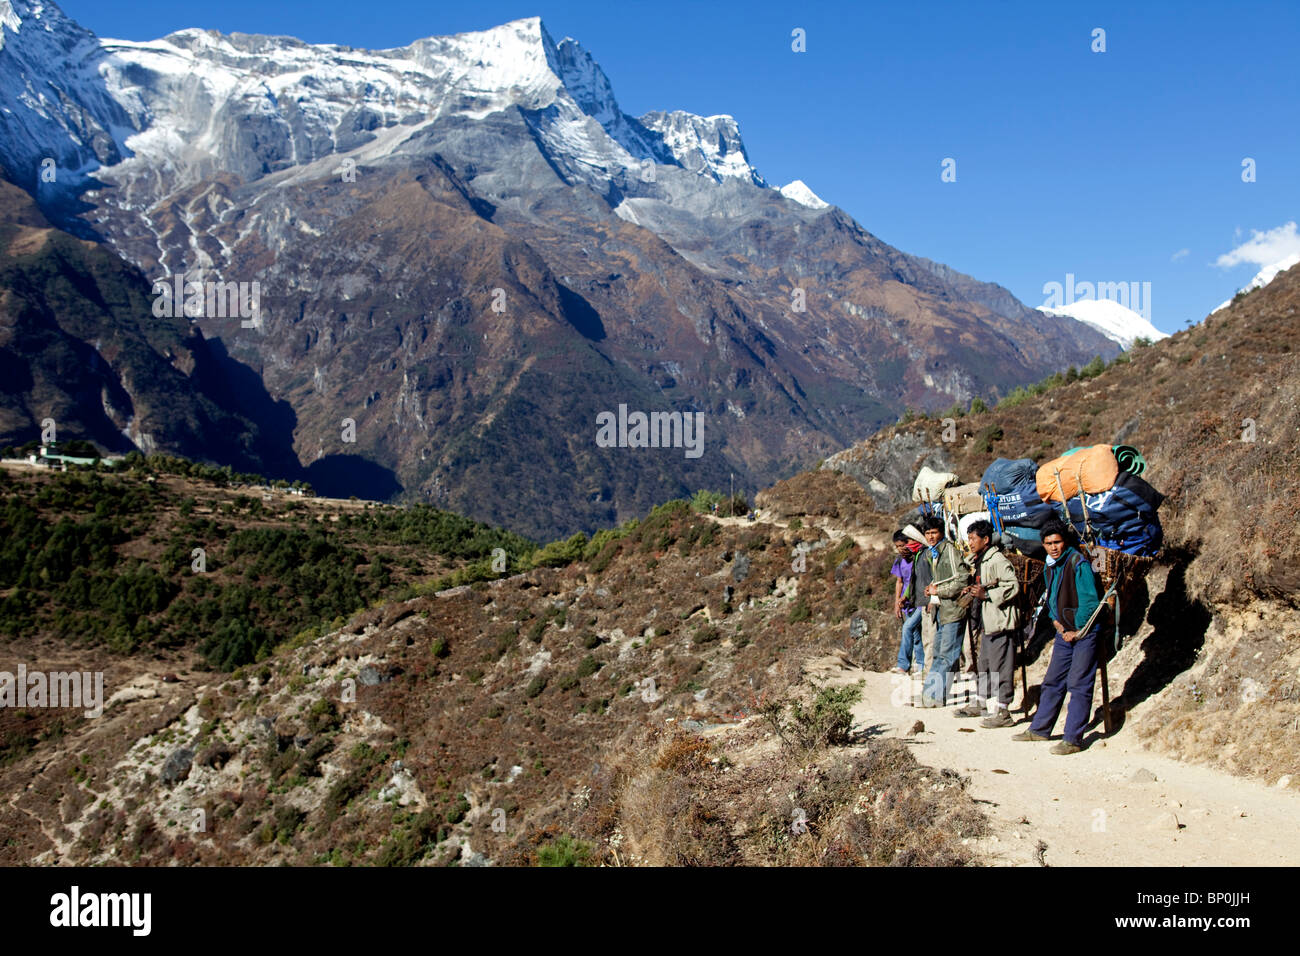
x,y
584,711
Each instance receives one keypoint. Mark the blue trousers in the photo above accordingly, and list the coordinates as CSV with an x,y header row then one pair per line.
x,y
911,647
1074,669
947,652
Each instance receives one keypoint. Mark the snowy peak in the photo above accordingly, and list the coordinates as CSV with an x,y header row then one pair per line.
x,y
1271,272
708,145
36,15
514,63
1112,319
96,104
586,82
799,192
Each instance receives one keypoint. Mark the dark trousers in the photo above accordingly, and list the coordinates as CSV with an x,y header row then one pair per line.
x,y
997,668
1074,669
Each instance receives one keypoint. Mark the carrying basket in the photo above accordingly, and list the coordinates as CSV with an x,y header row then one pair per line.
x,y
1129,569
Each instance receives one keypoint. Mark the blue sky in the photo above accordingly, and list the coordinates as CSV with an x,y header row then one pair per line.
x,y
1122,166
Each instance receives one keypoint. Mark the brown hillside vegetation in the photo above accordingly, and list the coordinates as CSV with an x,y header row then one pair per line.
x,y
561,714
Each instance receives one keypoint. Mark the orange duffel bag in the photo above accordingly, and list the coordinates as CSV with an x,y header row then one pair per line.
x,y
1095,468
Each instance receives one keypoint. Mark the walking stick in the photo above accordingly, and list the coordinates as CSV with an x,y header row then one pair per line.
x,y
1060,490
1105,688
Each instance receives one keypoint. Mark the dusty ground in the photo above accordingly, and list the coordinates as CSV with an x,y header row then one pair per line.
x,y
1088,808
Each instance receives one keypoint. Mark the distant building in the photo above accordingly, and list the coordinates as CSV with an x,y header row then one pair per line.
x,y
48,457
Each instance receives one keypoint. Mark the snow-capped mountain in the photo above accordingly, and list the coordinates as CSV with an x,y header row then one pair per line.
x,y
468,248
1112,319
170,104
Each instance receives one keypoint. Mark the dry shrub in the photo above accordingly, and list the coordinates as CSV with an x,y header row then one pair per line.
x,y
667,814
684,753
872,805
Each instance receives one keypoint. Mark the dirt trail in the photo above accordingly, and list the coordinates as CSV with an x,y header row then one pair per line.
x,y
1087,807
868,542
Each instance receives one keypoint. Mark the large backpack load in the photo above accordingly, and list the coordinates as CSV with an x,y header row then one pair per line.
x,y
1007,473
929,484
1013,493
963,500
1106,505
1095,489
1090,470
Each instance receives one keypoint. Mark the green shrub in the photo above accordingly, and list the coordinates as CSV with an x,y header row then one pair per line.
x,y
984,443
828,723
559,554
800,611
565,850
1093,368
458,810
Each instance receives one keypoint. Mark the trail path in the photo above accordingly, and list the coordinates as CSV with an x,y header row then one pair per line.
x,y
868,542
1087,808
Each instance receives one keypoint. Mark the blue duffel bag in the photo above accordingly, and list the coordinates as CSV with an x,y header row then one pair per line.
x,y
1021,506
1007,474
1143,539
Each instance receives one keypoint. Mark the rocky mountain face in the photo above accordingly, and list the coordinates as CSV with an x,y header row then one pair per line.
x,y
464,251
79,348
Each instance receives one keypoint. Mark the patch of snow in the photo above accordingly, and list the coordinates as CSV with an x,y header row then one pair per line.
x,y
1112,319
800,193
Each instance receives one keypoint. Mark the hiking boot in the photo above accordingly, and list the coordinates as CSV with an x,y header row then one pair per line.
x,y
970,710
1000,719
1065,748
1029,735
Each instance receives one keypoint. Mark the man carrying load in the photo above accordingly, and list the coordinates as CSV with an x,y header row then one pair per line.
x,y
996,616
948,575
1073,593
